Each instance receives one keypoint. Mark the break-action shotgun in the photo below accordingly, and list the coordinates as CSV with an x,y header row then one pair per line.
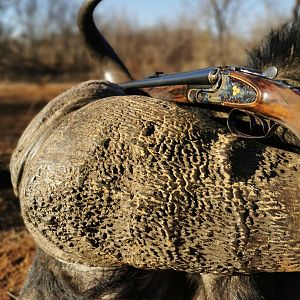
x,y
257,95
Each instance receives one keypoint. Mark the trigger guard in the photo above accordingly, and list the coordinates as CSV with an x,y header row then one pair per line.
x,y
268,130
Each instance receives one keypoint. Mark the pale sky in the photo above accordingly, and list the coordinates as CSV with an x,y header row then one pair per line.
x,y
145,13
148,12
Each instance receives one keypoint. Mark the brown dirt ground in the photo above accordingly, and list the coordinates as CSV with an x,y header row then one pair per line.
x,y
19,102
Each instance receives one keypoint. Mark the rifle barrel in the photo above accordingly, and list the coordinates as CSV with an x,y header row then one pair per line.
x,y
196,77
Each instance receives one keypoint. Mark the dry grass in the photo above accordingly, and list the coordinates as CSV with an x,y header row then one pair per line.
x,y
30,92
19,102
16,255
16,247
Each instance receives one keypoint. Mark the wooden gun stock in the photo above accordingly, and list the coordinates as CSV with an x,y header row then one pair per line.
x,y
261,96
237,88
279,103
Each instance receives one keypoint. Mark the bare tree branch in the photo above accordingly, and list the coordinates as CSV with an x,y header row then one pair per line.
x,y
296,10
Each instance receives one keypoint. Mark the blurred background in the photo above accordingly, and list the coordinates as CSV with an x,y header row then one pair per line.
x,y
39,40
42,55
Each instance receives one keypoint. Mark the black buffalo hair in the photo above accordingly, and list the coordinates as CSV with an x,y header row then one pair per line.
x,y
136,284
281,48
51,279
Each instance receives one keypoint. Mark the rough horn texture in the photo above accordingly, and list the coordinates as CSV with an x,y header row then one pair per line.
x,y
136,180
